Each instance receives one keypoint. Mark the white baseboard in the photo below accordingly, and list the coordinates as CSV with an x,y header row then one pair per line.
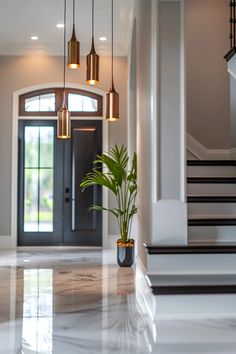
x,y
5,242
112,241
202,153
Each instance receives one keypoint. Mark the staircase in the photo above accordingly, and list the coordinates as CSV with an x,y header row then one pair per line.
x,y
211,201
207,265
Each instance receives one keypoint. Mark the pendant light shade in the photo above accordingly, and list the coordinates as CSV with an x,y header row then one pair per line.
x,y
92,59
63,115
63,121
112,111
73,47
112,97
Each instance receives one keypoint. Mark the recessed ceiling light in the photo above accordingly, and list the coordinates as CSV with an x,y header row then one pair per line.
x,y
34,38
103,39
26,260
60,25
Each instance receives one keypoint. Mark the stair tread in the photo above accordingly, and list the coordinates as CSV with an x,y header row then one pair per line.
x,y
220,180
212,222
229,55
211,199
192,284
212,217
191,249
211,163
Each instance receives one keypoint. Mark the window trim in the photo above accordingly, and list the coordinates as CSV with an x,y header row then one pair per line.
x,y
58,101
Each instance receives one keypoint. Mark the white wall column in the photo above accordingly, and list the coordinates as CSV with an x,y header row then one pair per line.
x,y
169,208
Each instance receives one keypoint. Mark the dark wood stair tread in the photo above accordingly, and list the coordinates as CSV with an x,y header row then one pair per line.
x,y
229,55
211,162
191,249
207,180
211,199
192,284
212,222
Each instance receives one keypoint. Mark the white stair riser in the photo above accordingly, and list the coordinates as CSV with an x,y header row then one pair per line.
x,y
211,171
195,307
214,234
211,210
191,263
208,189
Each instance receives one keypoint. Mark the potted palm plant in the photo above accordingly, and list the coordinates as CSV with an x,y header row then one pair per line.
x,y
111,170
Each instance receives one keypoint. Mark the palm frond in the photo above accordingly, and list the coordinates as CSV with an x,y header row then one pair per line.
x,y
101,208
98,178
111,171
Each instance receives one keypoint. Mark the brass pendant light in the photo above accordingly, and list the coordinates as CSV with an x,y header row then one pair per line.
x,y
73,47
92,60
63,115
112,97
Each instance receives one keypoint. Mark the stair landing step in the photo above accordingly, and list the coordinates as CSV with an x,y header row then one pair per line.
x,y
181,284
211,199
211,163
214,180
191,249
212,222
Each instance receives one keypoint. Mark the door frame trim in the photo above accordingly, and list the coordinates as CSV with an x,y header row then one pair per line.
x,y
14,164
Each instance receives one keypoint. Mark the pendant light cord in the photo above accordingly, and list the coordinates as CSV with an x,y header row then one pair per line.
x,y
112,53
93,19
73,14
64,53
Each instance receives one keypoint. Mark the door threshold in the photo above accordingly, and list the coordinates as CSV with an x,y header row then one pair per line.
x,y
57,248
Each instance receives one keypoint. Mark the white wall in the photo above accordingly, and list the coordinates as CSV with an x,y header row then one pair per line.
x,y
20,72
233,110
169,209
142,14
169,102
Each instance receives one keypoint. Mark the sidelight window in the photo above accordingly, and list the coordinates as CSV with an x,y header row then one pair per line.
x,y
38,178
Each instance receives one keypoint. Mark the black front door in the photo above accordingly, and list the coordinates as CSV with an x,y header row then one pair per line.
x,y
52,210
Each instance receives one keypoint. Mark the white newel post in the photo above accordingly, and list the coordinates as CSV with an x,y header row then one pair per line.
x,y
169,208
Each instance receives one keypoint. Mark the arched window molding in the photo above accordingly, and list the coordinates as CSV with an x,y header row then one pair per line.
x,y
46,102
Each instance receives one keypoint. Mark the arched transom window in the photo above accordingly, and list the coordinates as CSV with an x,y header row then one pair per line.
x,y
48,101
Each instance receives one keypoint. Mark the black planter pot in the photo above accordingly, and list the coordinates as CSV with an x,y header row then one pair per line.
x,y
125,253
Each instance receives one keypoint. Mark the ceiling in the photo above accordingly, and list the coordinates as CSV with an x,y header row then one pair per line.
x,y
21,19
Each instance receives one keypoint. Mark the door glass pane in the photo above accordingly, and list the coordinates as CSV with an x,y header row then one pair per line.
x,y
31,200
46,147
41,103
46,200
38,178
79,103
31,146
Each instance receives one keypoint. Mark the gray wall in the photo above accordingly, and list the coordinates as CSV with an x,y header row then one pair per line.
x,y
20,72
208,96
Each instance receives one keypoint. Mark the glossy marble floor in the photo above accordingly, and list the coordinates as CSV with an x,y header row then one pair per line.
x,y
75,301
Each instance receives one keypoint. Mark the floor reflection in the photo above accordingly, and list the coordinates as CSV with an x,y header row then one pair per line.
x,y
37,328
77,305
83,303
